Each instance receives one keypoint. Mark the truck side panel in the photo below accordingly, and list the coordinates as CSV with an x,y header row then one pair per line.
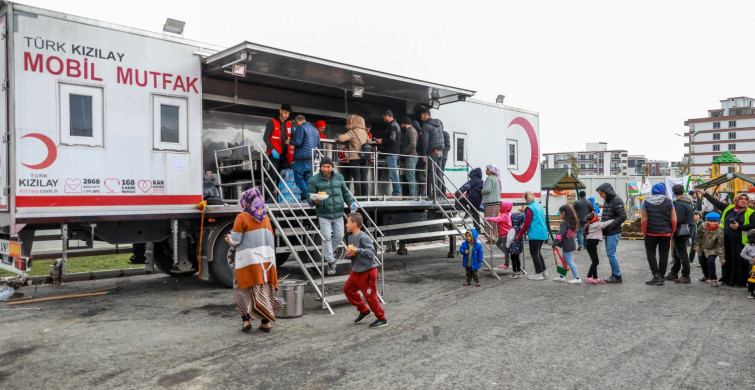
x,y
106,122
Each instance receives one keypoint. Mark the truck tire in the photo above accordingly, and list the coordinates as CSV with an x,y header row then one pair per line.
x,y
220,269
163,253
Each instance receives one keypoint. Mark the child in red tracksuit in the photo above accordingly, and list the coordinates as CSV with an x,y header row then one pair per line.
x,y
504,225
364,273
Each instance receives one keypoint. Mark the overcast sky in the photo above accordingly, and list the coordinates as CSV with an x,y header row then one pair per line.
x,y
629,75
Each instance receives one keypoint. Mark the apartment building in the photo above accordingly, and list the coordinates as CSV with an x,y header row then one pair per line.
x,y
596,159
729,128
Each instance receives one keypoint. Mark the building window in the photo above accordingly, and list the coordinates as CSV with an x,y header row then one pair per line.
x,y
513,149
732,146
732,124
616,156
731,169
716,148
81,115
716,136
581,166
460,145
732,135
716,125
170,123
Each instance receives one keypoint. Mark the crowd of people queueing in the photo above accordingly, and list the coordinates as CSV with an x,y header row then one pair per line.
x,y
726,233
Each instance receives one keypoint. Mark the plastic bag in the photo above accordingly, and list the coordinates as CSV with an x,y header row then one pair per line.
x,y
284,194
6,292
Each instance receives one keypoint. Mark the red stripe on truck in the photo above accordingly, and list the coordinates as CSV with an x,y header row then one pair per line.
x,y
114,200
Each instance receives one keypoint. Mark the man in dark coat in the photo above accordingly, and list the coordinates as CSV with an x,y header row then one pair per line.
x,y
613,208
431,142
446,151
392,146
583,207
685,208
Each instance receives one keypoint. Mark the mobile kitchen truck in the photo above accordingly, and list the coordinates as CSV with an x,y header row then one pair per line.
x,y
108,130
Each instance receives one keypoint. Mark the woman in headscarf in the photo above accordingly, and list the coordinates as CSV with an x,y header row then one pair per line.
x,y
252,256
737,220
491,197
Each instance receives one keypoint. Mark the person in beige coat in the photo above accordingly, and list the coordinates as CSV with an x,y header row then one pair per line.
x,y
355,136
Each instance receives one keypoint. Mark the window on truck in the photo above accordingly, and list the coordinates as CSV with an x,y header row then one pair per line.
x,y
460,149
512,147
81,115
170,123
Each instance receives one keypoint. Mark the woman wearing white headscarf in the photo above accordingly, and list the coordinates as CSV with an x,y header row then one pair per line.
x,y
491,197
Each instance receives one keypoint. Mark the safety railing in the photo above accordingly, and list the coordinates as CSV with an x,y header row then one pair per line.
x,y
376,164
443,202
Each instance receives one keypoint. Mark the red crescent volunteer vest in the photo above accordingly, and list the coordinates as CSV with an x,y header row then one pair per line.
x,y
275,139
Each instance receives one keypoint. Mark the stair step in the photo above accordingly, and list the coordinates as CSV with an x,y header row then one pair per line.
x,y
297,248
441,233
342,261
331,299
332,279
294,231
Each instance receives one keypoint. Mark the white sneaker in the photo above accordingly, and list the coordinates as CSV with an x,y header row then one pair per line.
x,y
575,281
536,277
513,275
559,279
545,274
331,269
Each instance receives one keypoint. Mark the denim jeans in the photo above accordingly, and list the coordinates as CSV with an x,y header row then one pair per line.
x,y
569,259
393,171
302,173
611,243
332,231
410,164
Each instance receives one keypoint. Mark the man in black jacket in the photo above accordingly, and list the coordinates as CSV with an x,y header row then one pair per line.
x,y
446,151
685,208
613,208
391,145
431,141
583,207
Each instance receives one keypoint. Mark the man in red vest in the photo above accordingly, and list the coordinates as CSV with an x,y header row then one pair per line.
x,y
279,150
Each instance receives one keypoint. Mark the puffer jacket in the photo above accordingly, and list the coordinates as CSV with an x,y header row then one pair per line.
x,y
446,143
355,137
685,209
710,242
517,223
613,208
566,238
473,188
474,258
305,139
338,195
503,219
432,137
409,141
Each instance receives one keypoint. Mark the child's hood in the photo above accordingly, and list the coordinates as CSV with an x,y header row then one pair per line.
x,y
506,207
474,235
517,219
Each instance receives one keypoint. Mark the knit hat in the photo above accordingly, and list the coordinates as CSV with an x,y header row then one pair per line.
x,y
326,161
319,124
287,107
713,216
406,121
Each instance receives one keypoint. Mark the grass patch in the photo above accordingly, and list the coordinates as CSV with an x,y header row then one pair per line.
x,y
82,264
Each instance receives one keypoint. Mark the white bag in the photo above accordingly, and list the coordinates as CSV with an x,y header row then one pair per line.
x,y
510,237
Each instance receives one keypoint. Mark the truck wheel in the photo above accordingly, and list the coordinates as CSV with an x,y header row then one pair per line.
x,y
163,253
220,269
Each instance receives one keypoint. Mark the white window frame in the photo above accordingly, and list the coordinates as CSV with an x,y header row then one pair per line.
x,y
98,114
457,136
514,142
183,122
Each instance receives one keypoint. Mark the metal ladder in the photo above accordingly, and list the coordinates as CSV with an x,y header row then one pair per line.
x,y
442,203
299,231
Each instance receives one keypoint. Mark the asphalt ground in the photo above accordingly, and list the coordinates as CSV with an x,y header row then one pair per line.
x,y
165,332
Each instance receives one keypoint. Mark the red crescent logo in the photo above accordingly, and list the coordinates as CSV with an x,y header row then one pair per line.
x,y
534,161
52,151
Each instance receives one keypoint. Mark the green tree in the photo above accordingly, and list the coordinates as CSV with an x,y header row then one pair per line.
x,y
574,166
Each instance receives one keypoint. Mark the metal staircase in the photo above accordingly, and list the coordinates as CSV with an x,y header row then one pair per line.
x,y
295,224
450,208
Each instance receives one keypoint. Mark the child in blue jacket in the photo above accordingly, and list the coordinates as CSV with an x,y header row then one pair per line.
x,y
471,254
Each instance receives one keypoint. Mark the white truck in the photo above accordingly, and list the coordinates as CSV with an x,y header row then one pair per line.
x,y
108,130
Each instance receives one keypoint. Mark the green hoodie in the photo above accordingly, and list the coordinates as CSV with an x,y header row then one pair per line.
x,y
338,195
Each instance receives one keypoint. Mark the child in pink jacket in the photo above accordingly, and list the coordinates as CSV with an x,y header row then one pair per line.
x,y
504,225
